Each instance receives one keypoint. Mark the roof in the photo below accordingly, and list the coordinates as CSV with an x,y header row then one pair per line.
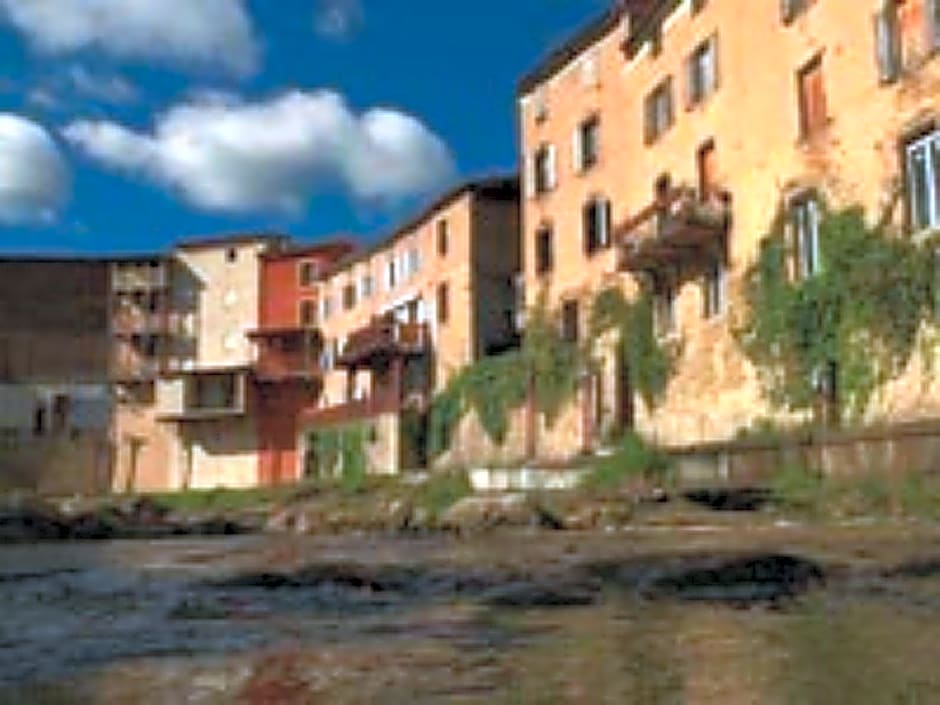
x,y
498,187
200,242
339,246
588,35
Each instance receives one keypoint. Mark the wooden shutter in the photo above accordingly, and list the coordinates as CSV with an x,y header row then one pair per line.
x,y
887,43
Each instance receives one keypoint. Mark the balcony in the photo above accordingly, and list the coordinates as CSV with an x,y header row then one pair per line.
x,y
134,321
139,369
385,339
203,395
674,229
139,277
286,355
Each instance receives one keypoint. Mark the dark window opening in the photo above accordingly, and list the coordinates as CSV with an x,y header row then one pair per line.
x,y
570,322
596,224
544,254
660,113
812,98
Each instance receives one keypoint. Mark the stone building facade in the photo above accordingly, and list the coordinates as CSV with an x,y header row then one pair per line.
x,y
747,109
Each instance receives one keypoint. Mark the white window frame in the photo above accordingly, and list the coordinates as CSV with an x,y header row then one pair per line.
x,y
806,242
927,144
702,64
601,207
666,301
366,286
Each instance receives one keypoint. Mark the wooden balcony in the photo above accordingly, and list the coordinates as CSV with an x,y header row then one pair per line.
x,y
135,369
383,340
674,229
287,355
128,322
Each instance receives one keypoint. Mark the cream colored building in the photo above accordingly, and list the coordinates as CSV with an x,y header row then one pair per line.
x,y
205,397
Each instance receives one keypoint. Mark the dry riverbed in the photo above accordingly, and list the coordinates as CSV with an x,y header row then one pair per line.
x,y
743,611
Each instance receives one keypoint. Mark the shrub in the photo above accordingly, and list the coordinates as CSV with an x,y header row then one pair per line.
x,y
441,491
799,488
633,459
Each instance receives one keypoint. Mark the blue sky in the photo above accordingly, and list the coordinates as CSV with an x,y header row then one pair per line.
x,y
124,131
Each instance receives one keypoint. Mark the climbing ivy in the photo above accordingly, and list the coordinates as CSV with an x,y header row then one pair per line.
x,y
494,386
649,361
341,451
859,316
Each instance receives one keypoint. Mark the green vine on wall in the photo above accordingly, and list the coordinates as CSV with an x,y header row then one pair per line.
x,y
649,361
340,452
494,386
859,316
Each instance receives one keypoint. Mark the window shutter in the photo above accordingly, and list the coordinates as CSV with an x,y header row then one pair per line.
x,y
552,168
670,108
887,46
713,63
603,206
932,22
690,71
787,10
577,150
649,122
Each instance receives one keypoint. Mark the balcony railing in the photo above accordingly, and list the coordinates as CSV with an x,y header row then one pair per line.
x,y
202,395
673,228
352,411
126,278
384,339
128,322
279,365
133,370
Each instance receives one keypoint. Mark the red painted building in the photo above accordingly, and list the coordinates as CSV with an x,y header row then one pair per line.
x,y
288,342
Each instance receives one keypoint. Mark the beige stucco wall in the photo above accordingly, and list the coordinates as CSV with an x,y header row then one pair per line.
x,y
753,119
217,453
137,423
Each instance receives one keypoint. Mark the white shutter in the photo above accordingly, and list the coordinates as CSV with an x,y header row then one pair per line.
x,y
552,168
577,150
529,176
603,216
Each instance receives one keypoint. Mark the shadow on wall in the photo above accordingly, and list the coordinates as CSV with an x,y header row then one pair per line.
x,y
58,466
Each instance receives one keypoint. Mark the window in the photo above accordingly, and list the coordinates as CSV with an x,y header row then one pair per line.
x,y
412,262
326,307
327,357
349,297
366,286
698,6
443,238
543,169
923,177
702,72
707,165
713,300
541,104
804,224
596,225
308,313
308,273
214,392
791,9
933,23
544,254
888,42
443,303
664,308
659,110
812,98
231,255
570,322
587,144
391,273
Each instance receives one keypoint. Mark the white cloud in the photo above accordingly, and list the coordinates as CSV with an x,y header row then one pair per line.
x,y
34,180
215,33
104,87
221,154
337,19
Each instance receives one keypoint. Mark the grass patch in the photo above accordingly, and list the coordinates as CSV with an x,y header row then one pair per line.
x,y
633,460
222,500
441,491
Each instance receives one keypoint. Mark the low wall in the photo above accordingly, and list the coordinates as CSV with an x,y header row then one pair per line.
x,y
896,449
58,466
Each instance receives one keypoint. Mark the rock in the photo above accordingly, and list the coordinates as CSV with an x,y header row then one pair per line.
x,y
485,512
737,581
27,518
546,593
398,515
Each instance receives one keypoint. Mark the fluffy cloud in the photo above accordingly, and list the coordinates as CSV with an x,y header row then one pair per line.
x,y
34,180
103,87
337,19
224,155
214,33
